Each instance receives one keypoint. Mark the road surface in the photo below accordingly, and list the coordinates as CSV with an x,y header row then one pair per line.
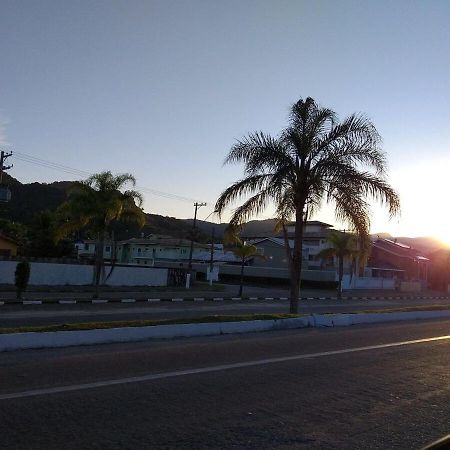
x,y
379,387
21,315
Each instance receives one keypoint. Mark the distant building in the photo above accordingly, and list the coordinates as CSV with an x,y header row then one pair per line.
x,y
392,259
315,239
145,251
8,246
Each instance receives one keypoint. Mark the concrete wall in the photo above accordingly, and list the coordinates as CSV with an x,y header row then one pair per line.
x,y
367,283
256,272
51,274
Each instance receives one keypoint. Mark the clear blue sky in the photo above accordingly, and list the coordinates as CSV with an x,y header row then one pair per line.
x,y
162,88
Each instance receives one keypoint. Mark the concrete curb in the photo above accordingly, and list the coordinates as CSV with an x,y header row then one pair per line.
x,y
32,340
89,301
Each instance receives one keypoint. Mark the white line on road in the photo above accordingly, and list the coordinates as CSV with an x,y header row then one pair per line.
x,y
180,373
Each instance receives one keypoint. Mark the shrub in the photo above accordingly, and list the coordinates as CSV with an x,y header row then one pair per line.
x,y
22,275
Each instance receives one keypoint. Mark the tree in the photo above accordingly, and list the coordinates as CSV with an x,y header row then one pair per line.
x,y
45,239
98,203
21,277
315,159
244,252
344,246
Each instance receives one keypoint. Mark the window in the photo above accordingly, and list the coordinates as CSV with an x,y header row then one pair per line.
x,y
107,248
139,250
86,246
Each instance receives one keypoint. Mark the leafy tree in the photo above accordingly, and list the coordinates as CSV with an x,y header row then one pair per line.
x,y
45,239
98,203
21,277
14,230
315,159
344,246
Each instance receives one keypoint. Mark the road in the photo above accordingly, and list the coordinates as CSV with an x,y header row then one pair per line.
x,y
22,315
298,389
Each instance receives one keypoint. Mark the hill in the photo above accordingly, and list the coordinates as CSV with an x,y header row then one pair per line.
x,y
30,199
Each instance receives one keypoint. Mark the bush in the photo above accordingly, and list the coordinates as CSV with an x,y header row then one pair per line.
x,y
22,275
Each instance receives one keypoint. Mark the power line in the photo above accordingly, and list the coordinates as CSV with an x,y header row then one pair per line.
x,y
82,173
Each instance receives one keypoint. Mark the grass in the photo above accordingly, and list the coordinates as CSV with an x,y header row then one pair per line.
x,y
145,323
403,309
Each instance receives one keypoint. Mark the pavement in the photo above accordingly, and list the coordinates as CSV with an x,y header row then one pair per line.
x,y
383,386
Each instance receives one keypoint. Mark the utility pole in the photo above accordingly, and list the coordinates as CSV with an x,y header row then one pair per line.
x,y
211,261
5,193
3,168
196,205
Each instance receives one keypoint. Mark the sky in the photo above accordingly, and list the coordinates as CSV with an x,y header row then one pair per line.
x,y
162,89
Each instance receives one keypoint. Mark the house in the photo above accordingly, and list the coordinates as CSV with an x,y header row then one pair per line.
x,y
315,239
145,251
86,249
8,246
392,259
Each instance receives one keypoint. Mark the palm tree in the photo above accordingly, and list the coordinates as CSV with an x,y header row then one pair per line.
x,y
244,252
344,246
315,159
97,203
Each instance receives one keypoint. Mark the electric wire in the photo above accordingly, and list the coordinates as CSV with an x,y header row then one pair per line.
x,y
82,173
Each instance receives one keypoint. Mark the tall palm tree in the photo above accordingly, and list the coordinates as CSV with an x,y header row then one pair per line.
x,y
97,203
344,246
315,159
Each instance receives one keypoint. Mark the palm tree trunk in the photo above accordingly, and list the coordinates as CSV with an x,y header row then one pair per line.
x,y
99,263
241,286
296,267
341,274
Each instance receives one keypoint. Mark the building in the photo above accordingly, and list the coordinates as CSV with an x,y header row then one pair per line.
x,y
8,246
392,259
145,251
315,239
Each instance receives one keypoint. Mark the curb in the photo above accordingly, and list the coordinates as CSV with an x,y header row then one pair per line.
x,y
34,340
210,299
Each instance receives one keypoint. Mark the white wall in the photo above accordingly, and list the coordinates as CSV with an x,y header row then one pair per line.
x,y
52,274
367,283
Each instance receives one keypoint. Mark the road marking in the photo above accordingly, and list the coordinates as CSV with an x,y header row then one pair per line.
x,y
67,302
218,299
154,300
180,373
32,302
128,300
99,301
199,299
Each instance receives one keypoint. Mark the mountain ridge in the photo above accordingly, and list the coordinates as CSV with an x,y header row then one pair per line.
x,y
29,199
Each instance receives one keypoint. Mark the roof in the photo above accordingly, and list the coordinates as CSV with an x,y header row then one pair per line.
x,y
399,249
9,239
278,241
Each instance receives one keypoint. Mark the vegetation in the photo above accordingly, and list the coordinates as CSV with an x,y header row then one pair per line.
x,y
97,203
242,250
345,246
21,277
315,159
146,323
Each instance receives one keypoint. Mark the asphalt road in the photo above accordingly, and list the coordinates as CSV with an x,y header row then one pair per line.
x,y
311,389
21,315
